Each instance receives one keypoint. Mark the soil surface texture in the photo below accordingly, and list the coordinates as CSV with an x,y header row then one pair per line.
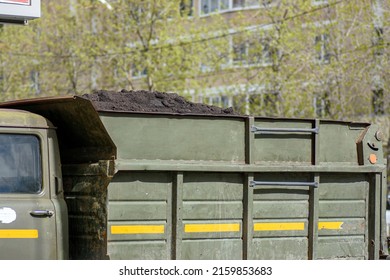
x,y
151,101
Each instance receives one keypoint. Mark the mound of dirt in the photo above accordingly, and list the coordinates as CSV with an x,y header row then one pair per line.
x,y
151,101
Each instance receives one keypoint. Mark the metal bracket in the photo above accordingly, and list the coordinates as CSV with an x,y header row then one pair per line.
x,y
261,130
254,184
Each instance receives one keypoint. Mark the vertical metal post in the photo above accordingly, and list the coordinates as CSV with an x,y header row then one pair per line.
x,y
314,198
383,234
177,218
248,192
316,144
250,137
313,219
169,224
248,218
375,217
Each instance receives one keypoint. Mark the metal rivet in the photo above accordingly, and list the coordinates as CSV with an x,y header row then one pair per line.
x,y
379,135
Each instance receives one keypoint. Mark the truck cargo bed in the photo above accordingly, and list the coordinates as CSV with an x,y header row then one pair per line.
x,y
202,187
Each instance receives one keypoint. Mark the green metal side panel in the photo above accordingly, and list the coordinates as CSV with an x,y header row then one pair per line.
x,y
211,216
343,199
280,218
202,187
290,147
139,215
281,248
211,249
205,215
344,248
338,142
151,137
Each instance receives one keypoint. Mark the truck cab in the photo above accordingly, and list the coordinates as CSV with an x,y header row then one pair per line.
x,y
33,212
42,142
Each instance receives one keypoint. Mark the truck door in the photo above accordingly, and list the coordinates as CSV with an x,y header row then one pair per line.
x,y
27,222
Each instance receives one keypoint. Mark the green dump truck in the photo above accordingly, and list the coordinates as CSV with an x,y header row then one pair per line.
x,y
85,184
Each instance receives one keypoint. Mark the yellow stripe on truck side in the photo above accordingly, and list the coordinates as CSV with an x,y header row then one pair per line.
x,y
19,233
278,226
137,229
295,226
330,225
199,228
212,227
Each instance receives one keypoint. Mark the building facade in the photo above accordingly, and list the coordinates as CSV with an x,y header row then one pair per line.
x,y
317,58
289,58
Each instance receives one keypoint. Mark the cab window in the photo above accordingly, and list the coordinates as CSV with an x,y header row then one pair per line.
x,y
20,164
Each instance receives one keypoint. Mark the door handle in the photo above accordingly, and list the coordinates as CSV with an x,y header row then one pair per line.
x,y
42,213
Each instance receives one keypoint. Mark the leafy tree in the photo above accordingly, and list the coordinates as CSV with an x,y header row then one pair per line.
x,y
318,60
285,58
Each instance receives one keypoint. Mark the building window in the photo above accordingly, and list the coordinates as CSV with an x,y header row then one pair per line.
x,y
245,3
252,50
322,48
240,51
319,2
213,6
221,101
244,99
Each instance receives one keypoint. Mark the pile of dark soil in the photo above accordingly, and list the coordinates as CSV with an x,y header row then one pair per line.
x,y
151,101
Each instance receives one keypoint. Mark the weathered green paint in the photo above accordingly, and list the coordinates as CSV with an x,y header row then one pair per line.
x,y
314,213
292,147
123,211
139,186
24,236
213,186
179,187
143,250
338,142
212,210
169,137
280,209
177,232
332,209
334,247
140,199
207,192
217,249
292,248
344,186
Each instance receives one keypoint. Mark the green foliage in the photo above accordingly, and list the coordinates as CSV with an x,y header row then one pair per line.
x,y
287,58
